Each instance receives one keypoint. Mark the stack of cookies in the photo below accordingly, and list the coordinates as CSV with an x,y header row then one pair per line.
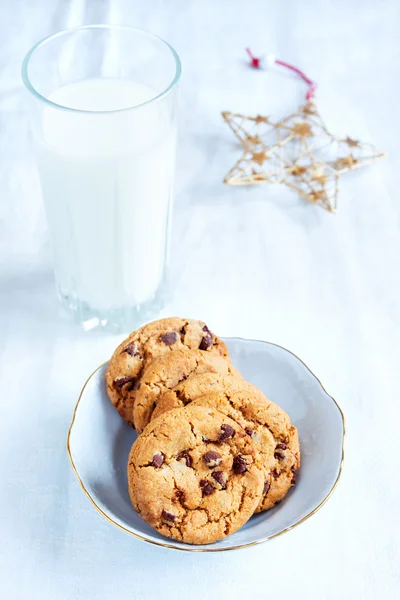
x,y
212,449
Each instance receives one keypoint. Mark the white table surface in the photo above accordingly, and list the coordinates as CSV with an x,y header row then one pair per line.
x,y
253,262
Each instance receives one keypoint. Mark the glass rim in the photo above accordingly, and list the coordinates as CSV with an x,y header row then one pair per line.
x,y
30,87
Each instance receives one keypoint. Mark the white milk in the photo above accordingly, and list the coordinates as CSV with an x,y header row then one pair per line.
x,y
106,181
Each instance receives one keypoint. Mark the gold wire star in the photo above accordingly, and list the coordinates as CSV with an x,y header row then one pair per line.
x,y
298,151
350,142
260,119
302,129
260,157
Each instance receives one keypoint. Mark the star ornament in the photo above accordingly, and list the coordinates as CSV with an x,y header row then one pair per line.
x,y
297,151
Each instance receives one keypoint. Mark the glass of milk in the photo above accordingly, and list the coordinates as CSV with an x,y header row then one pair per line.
x,y
103,113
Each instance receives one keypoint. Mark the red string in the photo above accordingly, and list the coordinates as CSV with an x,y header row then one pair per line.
x,y
255,63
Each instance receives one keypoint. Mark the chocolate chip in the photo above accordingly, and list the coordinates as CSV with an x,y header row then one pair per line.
x,y
239,465
279,455
206,487
119,382
180,495
132,350
186,456
220,477
281,446
169,338
226,432
267,485
158,460
207,339
294,479
212,459
249,431
167,516
276,474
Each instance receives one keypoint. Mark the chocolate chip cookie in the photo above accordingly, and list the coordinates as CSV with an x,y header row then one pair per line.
x,y
166,372
274,437
200,385
148,342
194,475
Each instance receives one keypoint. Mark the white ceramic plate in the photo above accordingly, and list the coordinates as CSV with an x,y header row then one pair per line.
x,y
99,443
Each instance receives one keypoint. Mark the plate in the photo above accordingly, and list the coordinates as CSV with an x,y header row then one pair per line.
x,y
99,442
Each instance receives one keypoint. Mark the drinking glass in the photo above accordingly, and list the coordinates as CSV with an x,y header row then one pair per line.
x,y
102,106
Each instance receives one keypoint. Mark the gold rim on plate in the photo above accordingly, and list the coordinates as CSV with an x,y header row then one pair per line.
x,y
166,545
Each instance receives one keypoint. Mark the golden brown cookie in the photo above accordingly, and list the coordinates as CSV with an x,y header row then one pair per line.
x,y
199,385
166,372
148,342
194,475
274,437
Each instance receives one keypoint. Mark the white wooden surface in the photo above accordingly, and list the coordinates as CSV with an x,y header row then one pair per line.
x,y
253,262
